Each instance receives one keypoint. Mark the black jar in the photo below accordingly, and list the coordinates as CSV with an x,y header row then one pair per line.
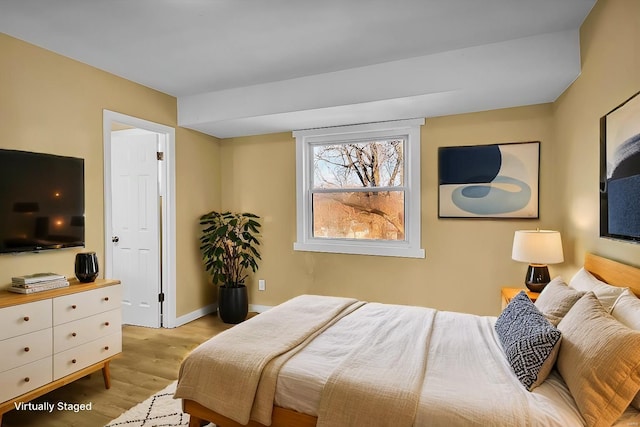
x,y
86,266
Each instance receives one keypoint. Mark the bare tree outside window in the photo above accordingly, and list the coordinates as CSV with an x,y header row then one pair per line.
x,y
358,190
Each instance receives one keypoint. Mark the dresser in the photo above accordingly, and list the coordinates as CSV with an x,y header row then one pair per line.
x,y
51,338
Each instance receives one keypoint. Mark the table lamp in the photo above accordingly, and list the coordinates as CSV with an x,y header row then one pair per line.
x,y
538,248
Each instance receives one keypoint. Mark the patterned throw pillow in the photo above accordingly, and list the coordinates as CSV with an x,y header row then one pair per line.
x,y
529,340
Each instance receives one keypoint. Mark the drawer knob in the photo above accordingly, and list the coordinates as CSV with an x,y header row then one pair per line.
x,y
73,306
26,318
27,379
73,360
73,334
106,347
106,298
27,349
106,323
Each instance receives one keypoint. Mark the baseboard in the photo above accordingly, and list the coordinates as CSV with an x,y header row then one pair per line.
x,y
259,308
196,314
212,308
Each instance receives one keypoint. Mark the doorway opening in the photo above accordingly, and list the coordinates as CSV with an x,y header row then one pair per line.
x,y
155,296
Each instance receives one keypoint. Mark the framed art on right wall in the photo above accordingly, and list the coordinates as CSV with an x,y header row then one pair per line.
x,y
620,171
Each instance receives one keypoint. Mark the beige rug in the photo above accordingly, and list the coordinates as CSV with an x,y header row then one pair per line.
x,y
160,410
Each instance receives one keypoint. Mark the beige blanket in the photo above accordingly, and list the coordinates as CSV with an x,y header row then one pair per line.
x,y
470,383
379,382
223,373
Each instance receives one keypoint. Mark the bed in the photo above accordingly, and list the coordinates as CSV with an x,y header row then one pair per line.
x,y
330,361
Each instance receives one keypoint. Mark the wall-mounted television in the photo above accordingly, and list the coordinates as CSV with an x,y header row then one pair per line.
x,y
41,201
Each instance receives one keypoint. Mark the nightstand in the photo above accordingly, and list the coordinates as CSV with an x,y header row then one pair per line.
x,y
509,293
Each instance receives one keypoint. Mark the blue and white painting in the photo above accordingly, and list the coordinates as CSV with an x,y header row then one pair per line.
x,y
621,192
489,181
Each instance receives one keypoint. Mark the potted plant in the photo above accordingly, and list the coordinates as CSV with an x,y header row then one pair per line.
x,y
229,246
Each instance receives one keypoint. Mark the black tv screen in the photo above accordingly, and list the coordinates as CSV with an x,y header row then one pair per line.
x,y
41,201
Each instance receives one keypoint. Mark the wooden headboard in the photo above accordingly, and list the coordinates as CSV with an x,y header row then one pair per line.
x,y
613,272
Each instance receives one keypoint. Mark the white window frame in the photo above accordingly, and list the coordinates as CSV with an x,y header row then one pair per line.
x,y
307,139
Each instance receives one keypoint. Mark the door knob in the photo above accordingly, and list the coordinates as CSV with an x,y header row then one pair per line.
x,y
115,239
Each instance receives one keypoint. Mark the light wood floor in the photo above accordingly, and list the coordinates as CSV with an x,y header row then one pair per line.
x,y
149,362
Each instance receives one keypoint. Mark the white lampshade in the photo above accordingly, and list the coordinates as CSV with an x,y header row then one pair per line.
x,y
537,247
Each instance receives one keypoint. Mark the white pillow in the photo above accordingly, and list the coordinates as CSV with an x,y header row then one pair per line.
x,y
606,294
627,309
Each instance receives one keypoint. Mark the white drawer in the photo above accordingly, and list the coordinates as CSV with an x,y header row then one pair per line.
x,y
83,304
23,379
81,331
25,349
74,359
24,318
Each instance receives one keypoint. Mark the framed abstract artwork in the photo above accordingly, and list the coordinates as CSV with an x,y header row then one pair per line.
x,y
489,181
620,171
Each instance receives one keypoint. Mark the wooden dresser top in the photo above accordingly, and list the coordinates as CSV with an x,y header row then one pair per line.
x,y
8,299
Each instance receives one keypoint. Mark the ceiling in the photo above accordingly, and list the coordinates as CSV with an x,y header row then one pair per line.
x,y
255,66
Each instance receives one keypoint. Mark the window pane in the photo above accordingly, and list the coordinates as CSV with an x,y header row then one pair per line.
x,y
359,215
359,164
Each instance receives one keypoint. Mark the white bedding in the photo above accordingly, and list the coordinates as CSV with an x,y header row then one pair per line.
x,y
467,382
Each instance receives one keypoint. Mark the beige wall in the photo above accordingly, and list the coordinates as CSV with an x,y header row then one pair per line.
x,y
467,260
197,192
610,49
52,104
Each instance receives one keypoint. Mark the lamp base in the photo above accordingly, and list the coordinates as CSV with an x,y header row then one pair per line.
x,y
537,277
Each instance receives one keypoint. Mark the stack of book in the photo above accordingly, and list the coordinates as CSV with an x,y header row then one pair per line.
x,y
37,282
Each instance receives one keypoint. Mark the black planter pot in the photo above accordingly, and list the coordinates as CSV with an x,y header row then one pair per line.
x,y
233,304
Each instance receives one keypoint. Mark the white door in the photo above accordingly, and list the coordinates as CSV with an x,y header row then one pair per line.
x,y
135,213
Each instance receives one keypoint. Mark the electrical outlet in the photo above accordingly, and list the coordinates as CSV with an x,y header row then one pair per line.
x,y
262,285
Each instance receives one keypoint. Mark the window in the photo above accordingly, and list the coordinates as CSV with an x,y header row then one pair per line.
x,y
358,189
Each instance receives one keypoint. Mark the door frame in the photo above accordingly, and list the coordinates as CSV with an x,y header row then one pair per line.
x,y
168,216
